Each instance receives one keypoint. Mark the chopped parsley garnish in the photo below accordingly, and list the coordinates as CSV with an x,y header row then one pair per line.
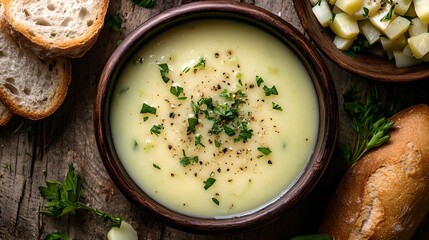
x,y
144,3
259,81
164,70
388,15
240,82
201,64
244,134
176,91
333,17
156,129
266,151
215,201
56,236
318,2
186,69
156,166
209,182
192,124
359,45
147,109
217,143
277,107
198,140
229,131
145,118
185,160
366,12
270,91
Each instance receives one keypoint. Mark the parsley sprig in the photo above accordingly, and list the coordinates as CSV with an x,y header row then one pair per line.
x,y
144,3
371,126
65,198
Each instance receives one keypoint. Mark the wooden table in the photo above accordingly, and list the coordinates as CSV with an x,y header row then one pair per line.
x,y
43,150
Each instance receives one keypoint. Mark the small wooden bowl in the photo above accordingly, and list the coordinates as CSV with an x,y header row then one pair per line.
x,y
310,58
369,66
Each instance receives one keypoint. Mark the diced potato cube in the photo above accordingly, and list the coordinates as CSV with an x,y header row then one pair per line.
x,y
390,45
371,33
417,27
397,27
343,43
419,45
422,10
369,8
381,19
407,51
402,60
402,6
344,26
323,13
349,6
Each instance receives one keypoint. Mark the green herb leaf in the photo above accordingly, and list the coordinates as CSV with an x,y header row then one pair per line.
x,y
176,91
359,45
229,131
259,81
388,15
145,118
277,107
270,91
365,12
209,182
144,3
156,129
192,124
333,17
115,22
215,201
56,236
185,160
64,198
164,70
245,133
266,151
147,109
198,140
201,64
217,143
368,121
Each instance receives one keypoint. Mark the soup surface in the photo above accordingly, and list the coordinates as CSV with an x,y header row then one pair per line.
x,y
214,118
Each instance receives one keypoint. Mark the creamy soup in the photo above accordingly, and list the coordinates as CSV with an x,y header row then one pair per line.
x,y
214,118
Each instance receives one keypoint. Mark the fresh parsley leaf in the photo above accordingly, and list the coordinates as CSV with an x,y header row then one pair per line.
x,y
259,81
368,121
333,17
201,64
64,198
215,201
388,15
209,182
359,45
144,3
198,140
277,107
156,129
245,133
56,236
318,2
229,131
192,124
176,91
266,151
164,70
185,160
217,143
270,91
115,22
147,109
365,12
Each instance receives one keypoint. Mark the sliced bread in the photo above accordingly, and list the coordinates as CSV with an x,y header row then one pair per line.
x,y
30,87
53,28
5,114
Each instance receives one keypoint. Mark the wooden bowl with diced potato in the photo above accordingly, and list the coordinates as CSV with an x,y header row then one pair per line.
x,y
393,37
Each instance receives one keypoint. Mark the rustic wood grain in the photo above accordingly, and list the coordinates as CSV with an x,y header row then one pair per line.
x,y
43,149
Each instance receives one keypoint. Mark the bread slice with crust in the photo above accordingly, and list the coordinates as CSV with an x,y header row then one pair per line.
x,y
30,87
53,28
5,114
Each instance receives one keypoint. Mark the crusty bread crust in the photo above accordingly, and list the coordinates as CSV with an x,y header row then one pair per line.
x,y
385,195
42,46
5,114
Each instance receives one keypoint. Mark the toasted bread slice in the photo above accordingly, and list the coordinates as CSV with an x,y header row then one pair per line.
x,y
30,87
5,114
53,28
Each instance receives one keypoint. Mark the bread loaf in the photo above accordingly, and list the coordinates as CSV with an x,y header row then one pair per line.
x,y
30,87
52,28
5,114
385,195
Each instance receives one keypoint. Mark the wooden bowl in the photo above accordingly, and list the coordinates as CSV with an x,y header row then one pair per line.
x,y
312,61
369,66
